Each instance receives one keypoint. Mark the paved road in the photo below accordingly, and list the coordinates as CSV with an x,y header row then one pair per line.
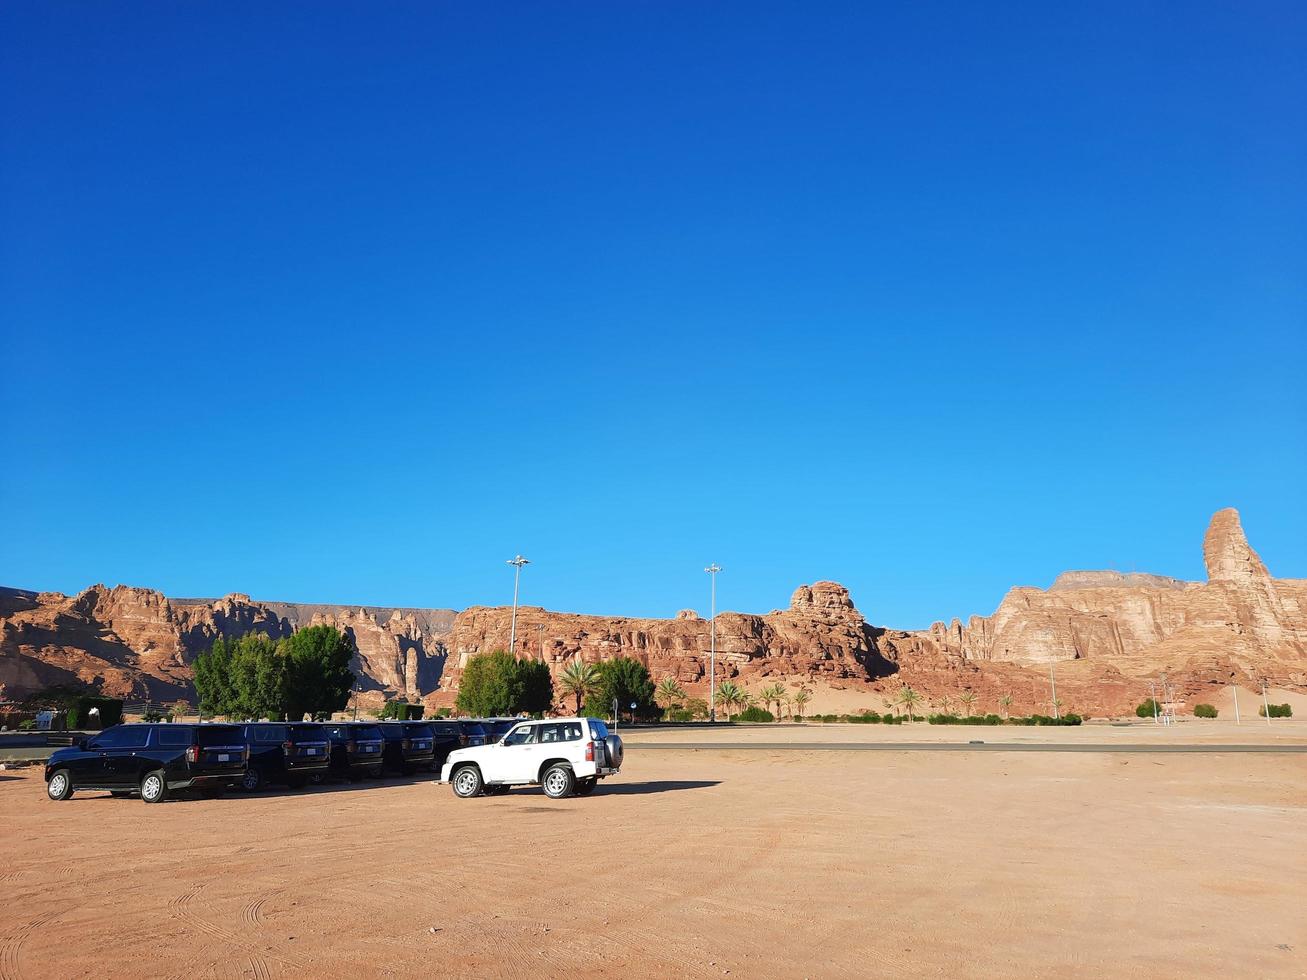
x,y
964,747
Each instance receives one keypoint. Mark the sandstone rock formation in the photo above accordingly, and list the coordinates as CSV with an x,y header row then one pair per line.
x,y
1102,633
138,643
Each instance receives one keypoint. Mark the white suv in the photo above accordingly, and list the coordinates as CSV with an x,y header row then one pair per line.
x,y
563,755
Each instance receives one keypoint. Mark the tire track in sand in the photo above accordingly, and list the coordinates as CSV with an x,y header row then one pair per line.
x,y
11,945
181,908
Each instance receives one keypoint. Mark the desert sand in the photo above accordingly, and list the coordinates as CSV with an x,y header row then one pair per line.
x,y
742,863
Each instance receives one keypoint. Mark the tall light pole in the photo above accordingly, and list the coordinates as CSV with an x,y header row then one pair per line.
x,y
1053,683
1266,705
712,571
517,562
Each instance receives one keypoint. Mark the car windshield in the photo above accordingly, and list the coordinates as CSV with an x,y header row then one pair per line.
x,y
307,733
473,728
417,731
365,733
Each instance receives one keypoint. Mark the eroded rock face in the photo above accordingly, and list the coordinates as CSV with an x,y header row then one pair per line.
x,y
1101,633
132,642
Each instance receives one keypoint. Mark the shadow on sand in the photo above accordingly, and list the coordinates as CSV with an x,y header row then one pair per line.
x,y
656,786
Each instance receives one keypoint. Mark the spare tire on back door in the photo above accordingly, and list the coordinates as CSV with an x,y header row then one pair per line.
x,y
613,747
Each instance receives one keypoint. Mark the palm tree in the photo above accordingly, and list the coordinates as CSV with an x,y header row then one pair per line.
x,y
946,704
730,695
801,698
668,693
968,699
1006,702
909,699
787,704
580,680
773,695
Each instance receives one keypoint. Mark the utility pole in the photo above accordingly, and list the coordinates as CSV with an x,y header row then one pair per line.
x,y
712,571
1266,705
540,629
1053,681
1152,692
1235,689
517,562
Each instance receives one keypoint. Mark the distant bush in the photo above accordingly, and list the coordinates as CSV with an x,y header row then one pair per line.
x,y
754,713
680,714
890,719
1204,711
152,716
866,718
943,719
79,713
401,711
27,725
1149,709
1277,711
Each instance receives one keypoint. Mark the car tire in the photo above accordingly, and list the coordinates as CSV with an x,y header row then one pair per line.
x,y
613,747
154,787
584,787
252,781
60,786
558,782
466,781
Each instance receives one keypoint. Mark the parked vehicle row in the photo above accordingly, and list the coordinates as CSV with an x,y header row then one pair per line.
x,y
153,760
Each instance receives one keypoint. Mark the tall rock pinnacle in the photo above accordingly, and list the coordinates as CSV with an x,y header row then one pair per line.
x,y
1227,554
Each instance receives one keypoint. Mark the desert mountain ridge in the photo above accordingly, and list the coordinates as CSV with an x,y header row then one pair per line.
x,y
1104,632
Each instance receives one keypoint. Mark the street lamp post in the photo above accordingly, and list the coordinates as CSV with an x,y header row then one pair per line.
x,y
1053,683
712,571
517,562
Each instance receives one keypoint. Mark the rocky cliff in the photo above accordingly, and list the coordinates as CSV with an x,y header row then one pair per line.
x,y
134,642
1102,633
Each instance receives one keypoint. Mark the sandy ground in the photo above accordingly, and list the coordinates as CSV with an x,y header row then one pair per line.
x,y
703,864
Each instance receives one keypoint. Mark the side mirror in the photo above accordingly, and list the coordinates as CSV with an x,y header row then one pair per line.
x,y
83,744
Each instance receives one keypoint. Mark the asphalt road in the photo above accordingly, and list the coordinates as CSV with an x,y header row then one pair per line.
x,y
979,746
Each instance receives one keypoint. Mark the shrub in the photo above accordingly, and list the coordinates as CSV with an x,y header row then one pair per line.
x,y
1149,709
1277,711
445,712
27,725
1204,711
152,715
754,713
866,718
402,711
680,714
79,713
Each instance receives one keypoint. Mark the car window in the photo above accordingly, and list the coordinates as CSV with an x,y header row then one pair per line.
x,y
522,735
172,737
562,731
473,728
418,731
218,735
269,733
366,733
123,737
444,731
307,733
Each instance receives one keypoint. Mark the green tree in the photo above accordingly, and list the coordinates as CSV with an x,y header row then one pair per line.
x,y
489,685
909,699
731,696
318,678
212,671
773,695
1149,709
579,680
668,694
257,673
801,698
968,701
1006,702
625,680
535,687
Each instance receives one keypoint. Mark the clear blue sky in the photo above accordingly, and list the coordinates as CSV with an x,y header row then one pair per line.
x,y
350,303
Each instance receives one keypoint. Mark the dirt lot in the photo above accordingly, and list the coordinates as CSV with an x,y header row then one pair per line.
x,y
707,863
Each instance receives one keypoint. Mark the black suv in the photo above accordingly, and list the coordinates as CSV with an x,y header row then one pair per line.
x,y
357,749
472,732
497,728
281,752
150,760
409,745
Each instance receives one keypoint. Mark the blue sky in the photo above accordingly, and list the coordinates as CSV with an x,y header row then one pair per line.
x,y
352,302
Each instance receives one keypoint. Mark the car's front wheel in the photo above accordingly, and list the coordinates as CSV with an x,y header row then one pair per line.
x,y
60,786
558,782
467,782
154,788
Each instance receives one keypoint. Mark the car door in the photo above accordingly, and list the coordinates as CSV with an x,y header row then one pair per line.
x,y
510,758
91,765
124,758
